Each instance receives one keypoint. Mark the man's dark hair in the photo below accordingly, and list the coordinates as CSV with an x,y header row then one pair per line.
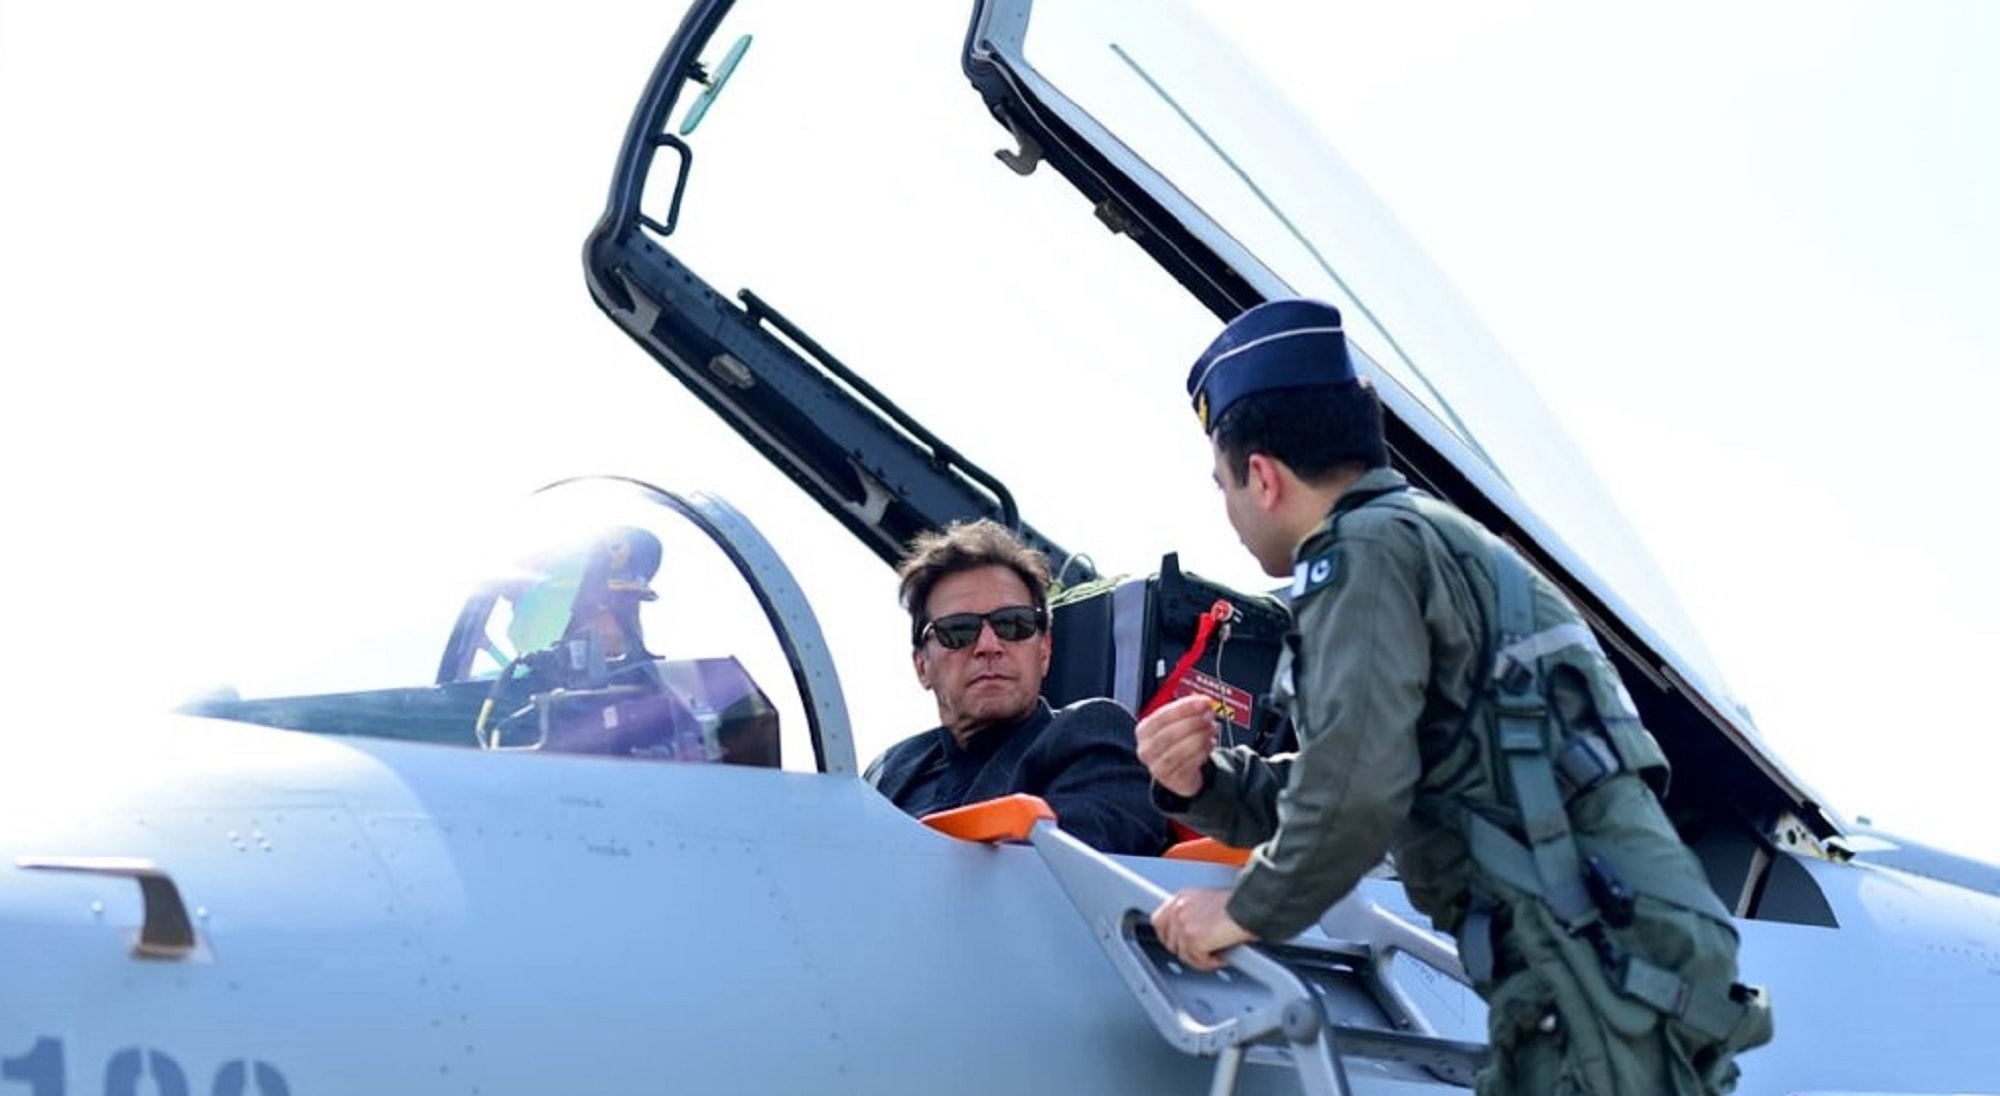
x,y
1312,430
965,546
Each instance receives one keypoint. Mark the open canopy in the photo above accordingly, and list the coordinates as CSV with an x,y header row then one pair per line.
x,y
778,186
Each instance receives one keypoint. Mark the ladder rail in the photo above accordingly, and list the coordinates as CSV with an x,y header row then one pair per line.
x,y
1287,1020
1113,900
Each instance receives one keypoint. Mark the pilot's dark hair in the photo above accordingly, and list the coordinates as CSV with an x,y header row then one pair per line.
x,y
965,546
1313,430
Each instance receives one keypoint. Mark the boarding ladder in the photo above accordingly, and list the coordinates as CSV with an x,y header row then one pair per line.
x,y
1313,1005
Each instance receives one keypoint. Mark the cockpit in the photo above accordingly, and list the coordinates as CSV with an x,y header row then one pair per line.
x,y
621,621
607,618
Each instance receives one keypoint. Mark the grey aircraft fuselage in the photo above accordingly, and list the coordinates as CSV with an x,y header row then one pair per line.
x,y
357,893
378,916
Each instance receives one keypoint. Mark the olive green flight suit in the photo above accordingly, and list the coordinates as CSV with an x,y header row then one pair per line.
x,y
1386,680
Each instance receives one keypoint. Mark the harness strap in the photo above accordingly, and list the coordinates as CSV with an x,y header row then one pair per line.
x,y
1584,762
1475,943
1531,649
1503,857
1521,715
1715,1013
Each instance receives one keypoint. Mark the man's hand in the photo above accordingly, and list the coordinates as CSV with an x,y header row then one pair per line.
x,y
1174,742
1195,925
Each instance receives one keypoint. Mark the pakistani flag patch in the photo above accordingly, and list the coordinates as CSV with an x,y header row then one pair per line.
x,y
1311,574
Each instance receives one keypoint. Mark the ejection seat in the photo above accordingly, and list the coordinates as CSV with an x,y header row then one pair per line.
x,y
562,634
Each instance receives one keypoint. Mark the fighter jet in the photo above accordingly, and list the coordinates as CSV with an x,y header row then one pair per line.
x,y
610,836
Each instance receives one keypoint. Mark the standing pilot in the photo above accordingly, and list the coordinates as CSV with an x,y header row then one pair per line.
x,y
1451,707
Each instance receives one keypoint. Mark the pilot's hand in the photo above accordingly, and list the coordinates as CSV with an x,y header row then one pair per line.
x,y
1175,740
1195,925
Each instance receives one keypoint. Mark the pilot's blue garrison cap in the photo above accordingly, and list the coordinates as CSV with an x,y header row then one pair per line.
x,y
1277,344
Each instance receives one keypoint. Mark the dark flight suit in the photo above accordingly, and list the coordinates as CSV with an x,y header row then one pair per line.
x,y
1082,760
1383,679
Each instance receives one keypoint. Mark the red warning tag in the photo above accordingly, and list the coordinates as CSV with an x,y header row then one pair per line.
x,y
1231,703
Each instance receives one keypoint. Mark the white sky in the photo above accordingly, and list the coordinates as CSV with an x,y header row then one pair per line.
x,y
269,271
1749,250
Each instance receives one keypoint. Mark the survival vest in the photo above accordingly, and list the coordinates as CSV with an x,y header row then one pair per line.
x,y
1552,722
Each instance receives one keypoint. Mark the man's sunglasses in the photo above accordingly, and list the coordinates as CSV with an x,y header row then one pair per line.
x,y
1012,624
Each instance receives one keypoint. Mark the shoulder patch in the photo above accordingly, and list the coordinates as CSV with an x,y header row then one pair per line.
x,y
1312,573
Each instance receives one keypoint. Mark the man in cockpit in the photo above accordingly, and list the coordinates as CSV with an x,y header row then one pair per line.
x,y
979,628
